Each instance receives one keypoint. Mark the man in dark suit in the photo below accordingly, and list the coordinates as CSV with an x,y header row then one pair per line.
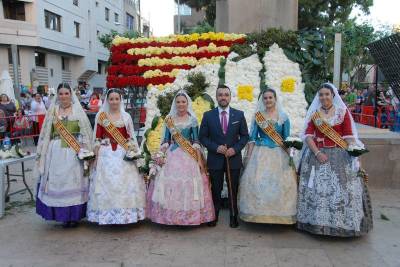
x,y
224,133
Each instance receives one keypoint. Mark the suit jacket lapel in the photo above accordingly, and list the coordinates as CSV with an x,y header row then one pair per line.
x,y
231,118
219,125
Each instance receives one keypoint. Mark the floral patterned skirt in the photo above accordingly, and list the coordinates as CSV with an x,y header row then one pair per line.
x,y
117,190
179,194
268,188
333,199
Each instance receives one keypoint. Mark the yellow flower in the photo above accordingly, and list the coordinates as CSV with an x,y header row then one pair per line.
x,y
153,140
194,37
288,85
200,105
245,92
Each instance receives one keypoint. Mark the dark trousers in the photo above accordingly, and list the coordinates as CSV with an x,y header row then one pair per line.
x,y
217,182
36,132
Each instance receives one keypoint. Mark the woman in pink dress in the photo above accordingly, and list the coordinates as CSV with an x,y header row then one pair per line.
x,y
180,193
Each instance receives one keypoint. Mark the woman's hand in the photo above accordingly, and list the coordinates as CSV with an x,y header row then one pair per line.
x,y
164,147
322,158
202,168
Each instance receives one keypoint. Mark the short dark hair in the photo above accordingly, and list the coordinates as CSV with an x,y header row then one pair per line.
x,y
223,86
64,85
327,86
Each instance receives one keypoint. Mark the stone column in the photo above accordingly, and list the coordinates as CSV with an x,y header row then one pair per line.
x,y
255,15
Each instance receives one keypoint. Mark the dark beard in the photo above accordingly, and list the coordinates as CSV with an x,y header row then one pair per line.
x,y
223,106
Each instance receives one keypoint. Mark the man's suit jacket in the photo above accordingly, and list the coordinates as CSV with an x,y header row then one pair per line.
x,y
212,136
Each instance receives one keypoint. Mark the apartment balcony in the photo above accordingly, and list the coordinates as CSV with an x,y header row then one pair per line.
x,y
18,32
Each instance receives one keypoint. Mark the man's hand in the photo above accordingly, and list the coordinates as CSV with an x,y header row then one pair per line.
x,y
230,152
222,149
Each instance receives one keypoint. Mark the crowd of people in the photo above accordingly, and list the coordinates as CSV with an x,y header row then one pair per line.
x,y
370,105
24,119
327,195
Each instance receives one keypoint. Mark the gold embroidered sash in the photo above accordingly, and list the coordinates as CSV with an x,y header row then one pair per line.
x,y
328,130
65,135
178,137
113,131
269,130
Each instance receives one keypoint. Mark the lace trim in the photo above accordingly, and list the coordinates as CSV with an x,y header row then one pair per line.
x,y
116,216
337,118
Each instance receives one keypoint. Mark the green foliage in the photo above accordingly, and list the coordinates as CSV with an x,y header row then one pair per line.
x,y
221,71
154,123
209,6
203,27
198,85
264,39
355,38
164,103
317,14
196,88
107,38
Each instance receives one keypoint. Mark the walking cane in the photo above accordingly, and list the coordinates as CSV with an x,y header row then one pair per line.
x,y
229,182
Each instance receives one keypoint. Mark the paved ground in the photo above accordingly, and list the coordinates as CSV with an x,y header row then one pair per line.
x,y
27,240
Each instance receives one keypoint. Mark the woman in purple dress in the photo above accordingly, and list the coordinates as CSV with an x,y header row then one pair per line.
x,y
63,188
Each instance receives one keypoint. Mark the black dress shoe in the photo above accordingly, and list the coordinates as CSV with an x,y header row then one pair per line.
x,y
234,222
212,224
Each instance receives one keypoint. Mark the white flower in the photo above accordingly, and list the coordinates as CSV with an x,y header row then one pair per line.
x,y
355,147
293,139
84,154
140,162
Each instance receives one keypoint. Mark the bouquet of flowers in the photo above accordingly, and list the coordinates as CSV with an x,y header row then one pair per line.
x,y
294,142
85,156
356,150
157,161
133,152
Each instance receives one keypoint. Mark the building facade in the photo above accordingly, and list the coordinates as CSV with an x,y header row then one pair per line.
x,y
238,16
189,18
58,40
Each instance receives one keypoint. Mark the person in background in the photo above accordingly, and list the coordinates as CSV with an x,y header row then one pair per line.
x,y
21,124
38,109
46,100
9,108
351,98
3,124
86,96
95,103
7,105
24,101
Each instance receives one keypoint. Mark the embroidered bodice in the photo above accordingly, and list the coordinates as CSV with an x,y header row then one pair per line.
x,y
101,133
189,130
260,138
340,122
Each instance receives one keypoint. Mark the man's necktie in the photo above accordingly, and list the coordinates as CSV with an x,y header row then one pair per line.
x,y
224,122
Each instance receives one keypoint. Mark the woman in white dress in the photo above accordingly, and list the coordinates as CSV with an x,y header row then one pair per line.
x,y
117,190
63,188
268,186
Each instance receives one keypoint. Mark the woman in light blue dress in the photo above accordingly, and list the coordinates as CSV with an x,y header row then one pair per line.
x,y
268,186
